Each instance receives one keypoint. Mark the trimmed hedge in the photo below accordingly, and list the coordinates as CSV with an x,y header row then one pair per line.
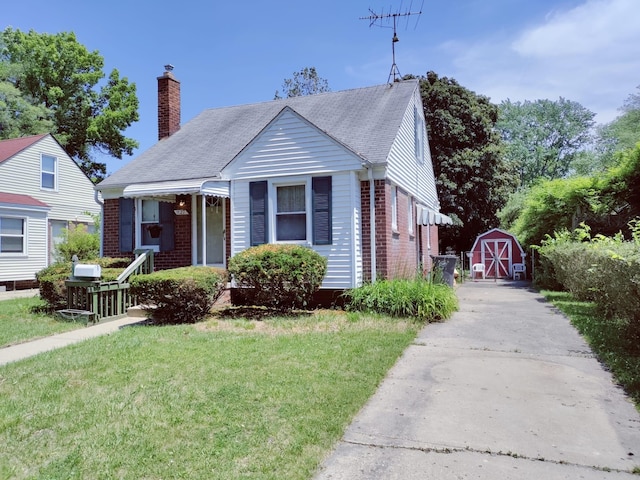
x,y
51,279
283,277
179,295
602,270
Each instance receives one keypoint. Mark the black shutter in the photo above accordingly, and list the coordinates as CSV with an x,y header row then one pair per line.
x,y
258,212
167,241
125,210
321,206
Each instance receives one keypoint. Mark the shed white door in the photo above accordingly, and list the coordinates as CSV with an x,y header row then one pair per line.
x,y
496,256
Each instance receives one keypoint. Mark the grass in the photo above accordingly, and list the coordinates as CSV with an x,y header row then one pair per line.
x,y
615,344
222,399
18,323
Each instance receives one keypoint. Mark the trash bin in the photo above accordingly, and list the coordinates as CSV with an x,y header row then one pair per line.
x,y
446,264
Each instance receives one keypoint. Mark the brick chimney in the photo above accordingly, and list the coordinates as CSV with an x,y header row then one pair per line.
x,y
168,104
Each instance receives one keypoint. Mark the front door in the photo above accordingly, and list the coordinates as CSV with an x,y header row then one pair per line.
x,y
213,239
496,256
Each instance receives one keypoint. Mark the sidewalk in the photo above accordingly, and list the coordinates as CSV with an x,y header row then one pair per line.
x,y
28,349
506,389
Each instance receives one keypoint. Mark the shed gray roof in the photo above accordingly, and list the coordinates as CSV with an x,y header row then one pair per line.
x,y
365,120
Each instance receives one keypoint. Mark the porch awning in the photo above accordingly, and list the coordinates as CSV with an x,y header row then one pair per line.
x,y
218,188
427,216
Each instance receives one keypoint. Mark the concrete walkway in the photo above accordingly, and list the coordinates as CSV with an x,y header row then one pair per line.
x,y
506,389
21,351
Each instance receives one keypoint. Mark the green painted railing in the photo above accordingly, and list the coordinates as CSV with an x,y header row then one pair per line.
x,y
100,301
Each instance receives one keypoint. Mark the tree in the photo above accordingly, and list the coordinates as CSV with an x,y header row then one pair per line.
x,y
304,82
18,116
60,74
621,134
544,137
473,179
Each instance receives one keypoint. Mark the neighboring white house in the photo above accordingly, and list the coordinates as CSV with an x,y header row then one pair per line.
x,y
42,192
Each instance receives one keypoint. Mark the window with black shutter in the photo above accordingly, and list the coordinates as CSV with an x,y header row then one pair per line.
x,y
321,199
258,212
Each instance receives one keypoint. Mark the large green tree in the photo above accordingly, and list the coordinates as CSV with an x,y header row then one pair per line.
x,y
59,73
18,116
305,82
472,176
544,137
622,133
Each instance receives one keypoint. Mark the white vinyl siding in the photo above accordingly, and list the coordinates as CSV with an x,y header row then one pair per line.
x,y
74,196
403,168
23,266
291,150
342,268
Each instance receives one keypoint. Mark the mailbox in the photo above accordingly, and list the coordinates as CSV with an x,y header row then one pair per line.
x,y
89,272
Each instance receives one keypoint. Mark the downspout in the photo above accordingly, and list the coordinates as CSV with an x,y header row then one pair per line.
x,y
372,221
96,196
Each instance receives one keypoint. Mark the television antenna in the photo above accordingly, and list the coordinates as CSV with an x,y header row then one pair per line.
x,y
385,20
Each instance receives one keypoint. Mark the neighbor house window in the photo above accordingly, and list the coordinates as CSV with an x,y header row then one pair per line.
x,y
301,211
12,235
150,222
48,168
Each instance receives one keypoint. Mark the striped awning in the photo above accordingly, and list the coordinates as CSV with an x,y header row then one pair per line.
x,y
428,216
217,188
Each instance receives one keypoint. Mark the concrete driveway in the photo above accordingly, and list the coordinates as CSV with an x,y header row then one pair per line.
x,y
506,389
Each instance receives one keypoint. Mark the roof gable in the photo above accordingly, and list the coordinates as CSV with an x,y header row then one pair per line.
x,y
13,146
365,121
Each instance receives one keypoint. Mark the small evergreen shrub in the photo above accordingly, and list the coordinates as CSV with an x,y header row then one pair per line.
x,y
278,276
51,279
179,295
418,298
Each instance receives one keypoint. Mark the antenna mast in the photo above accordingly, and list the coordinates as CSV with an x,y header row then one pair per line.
x,y
380,19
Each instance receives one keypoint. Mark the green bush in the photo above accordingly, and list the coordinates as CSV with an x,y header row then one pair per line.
x,y
179,295
78,241
51,279
604,270
418,298
278,276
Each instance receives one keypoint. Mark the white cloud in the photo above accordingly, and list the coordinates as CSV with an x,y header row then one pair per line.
x,y
589,54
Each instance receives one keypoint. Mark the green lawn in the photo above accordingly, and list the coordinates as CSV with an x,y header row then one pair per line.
x,y
223,399
18,323
615,343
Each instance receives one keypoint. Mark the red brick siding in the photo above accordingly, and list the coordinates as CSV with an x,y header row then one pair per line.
x,y
168,105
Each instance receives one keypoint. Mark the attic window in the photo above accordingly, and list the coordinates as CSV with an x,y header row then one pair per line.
x,y
419,132
48,168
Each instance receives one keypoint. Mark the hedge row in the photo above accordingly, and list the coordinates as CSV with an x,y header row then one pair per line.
x,y
603,270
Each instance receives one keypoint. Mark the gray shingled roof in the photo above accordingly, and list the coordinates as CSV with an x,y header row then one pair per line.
x,y
365,120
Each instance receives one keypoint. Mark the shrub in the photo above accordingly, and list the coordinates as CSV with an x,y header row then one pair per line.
x,y
51,279
179,295
78,241
278,276
418,298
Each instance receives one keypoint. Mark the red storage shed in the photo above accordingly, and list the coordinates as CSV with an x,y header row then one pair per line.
x,y
497,254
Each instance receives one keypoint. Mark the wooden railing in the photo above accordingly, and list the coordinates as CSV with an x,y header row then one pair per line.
x,y
99,301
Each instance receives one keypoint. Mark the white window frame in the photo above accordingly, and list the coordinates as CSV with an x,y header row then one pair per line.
x,y
140,225
410,217
49,172
25,225
273,208
394,208
419,133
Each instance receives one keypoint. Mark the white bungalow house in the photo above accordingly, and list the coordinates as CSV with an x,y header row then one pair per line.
x,y
42,191
346,173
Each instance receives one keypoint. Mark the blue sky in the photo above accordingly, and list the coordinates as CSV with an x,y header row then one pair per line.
x,y
228,53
